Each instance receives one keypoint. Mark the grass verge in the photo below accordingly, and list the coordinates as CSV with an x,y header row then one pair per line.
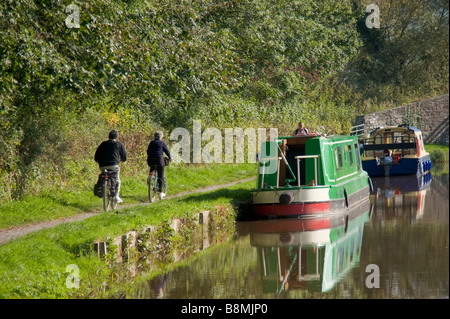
x,y
34,266
56,204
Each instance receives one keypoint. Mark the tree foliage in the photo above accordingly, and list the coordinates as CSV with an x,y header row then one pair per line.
x,y
407,57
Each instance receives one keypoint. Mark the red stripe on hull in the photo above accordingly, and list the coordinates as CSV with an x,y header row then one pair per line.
x,y
291,225
293,209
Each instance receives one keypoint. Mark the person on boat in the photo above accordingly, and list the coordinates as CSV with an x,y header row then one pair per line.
x,y
155,158
301,130
361,146
109,154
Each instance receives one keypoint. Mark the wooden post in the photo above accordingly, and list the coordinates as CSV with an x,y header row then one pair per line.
x,y
131,243
118,242
175,225
204,219
101,248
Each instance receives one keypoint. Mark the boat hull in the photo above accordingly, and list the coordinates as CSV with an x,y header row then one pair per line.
x,y
312,202
287,225
405,166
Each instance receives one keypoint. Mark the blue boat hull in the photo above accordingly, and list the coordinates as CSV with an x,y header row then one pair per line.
x,y
405,166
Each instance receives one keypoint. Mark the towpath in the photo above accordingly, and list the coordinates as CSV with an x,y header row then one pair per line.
x,y
9,234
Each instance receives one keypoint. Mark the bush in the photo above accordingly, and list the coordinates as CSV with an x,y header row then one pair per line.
x,y
438,155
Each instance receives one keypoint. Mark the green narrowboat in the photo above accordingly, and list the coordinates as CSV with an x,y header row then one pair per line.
x,y
309,175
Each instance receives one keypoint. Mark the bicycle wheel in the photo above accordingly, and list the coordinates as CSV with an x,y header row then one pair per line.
x,y
152,187
105,195
113,203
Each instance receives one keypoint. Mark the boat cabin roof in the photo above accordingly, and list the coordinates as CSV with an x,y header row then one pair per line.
x,y
298,140
399,138
392,129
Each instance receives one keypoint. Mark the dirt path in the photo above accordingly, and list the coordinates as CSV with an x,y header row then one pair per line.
x,y
9,234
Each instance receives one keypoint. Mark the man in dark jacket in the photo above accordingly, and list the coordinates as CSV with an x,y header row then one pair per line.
x,y
109,154
155,159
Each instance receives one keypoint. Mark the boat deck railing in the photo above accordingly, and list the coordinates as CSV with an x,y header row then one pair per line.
x,y
376,147
264,162
388,139
399,142
299,158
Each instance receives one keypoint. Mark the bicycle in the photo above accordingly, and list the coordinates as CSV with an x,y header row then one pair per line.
x,y
153,185
109,190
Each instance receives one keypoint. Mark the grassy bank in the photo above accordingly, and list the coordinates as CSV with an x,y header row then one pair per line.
x,y
50,205
34,266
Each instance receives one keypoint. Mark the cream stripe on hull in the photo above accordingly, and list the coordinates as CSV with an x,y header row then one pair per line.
x,y
304,195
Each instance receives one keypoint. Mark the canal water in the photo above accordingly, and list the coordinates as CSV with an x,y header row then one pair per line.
x,y
393,246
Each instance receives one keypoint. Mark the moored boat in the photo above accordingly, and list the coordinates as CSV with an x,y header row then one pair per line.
x,y
309,176
395,150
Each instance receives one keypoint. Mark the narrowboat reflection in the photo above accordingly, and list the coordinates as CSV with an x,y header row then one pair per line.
x,y
312,254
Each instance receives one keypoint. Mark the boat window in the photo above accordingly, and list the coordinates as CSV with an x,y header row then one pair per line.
x,y
378,139
336,158
406,138
344,154
358,160
350,156
398,137
388,138
339,157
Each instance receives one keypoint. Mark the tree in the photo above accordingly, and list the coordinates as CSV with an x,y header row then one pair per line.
x,y
407,57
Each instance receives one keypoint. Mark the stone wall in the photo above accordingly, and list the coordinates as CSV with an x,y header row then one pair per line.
x,y
430,116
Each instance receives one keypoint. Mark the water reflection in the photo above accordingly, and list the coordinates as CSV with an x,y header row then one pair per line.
x,y
408,238
309,254
403,229
401,195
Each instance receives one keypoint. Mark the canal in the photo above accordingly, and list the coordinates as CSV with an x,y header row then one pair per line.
x,y
393,246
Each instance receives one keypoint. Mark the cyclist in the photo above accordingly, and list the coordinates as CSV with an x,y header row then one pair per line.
x,y
155,159
108,156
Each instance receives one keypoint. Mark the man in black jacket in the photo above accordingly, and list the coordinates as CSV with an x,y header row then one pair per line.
x,y
155,159
109,154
